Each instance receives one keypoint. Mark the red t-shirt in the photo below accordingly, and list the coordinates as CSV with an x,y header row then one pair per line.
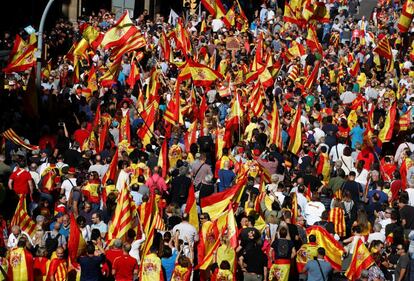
x,y
124,267
112,254
21,179
81,135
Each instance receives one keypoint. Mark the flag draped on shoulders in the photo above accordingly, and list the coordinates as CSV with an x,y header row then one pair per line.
x,y
21,265
361,259
76,243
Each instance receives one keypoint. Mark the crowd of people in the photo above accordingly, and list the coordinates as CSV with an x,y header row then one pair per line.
x,y
327,146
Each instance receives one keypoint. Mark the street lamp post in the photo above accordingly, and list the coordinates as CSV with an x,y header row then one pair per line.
x,y
40,44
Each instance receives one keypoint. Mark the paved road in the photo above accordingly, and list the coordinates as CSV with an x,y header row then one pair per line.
x,y
366,8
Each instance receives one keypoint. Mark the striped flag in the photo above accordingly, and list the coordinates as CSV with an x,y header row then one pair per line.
x,y
148,115
136,41
295,132
120,33
361,259
112,170
404,121
312,77
124,215
76,243
384,48
256,100
406,16
354,70
337,217
294,73
275,128
21,265
386,132
22,219
191,208
11,135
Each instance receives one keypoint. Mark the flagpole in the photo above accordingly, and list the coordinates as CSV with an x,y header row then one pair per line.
x,y
39,51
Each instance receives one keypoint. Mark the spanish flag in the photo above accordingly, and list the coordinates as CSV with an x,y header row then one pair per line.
x,y
21,265
163,159
201,75
275,128
354,70
337,217
124,216
152,88
110,76
361,259
93,36
182,38
280,270
173,113
24,62
216,203
92,80
91,191
306,253
333,249
296,50
22,218
76,243
386,132
404,121
295,211
191,208
295,132
133,75
120,33
406,16
313,42
112,170
230,18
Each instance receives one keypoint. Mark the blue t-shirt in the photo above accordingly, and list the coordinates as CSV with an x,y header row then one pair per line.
x,y
91,267
168,264
314,272
226,178
357,135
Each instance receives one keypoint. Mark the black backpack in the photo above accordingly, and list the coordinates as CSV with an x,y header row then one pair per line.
x,y
51,243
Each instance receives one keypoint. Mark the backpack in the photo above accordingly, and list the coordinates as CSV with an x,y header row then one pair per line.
x,y
51,243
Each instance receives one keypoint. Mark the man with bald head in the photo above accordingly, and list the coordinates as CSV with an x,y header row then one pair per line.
x,y
98,166
58,268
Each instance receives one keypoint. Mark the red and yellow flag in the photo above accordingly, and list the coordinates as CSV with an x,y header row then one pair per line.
x,y
22,218
201,74
295,132
163,159
354,70
136,41
112,170
306,253
384,48
124,215
386,132
404,121
333,249
76,243
120,33
21,265
148,115
361,259
312,77
337,217
191,208
313,42
276,128
256,100
406,17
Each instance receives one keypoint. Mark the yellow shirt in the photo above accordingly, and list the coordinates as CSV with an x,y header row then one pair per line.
x,y
226,253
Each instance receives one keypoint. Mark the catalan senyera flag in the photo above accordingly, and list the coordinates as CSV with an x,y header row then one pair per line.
x,y
333,249
313,42
148,115
11,135
384,48
337,217
386,132
136,41
313,76
165,47
21,265
295,132
112,169
124,215
120,32
294,72
58,269
76,243
191,208
256,100
22,219
201,75
406,17
276,128
361,259
152,88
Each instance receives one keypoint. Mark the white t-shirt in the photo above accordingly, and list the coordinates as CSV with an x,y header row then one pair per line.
x,y
186,230
135,246
67,186
376,236
313,212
